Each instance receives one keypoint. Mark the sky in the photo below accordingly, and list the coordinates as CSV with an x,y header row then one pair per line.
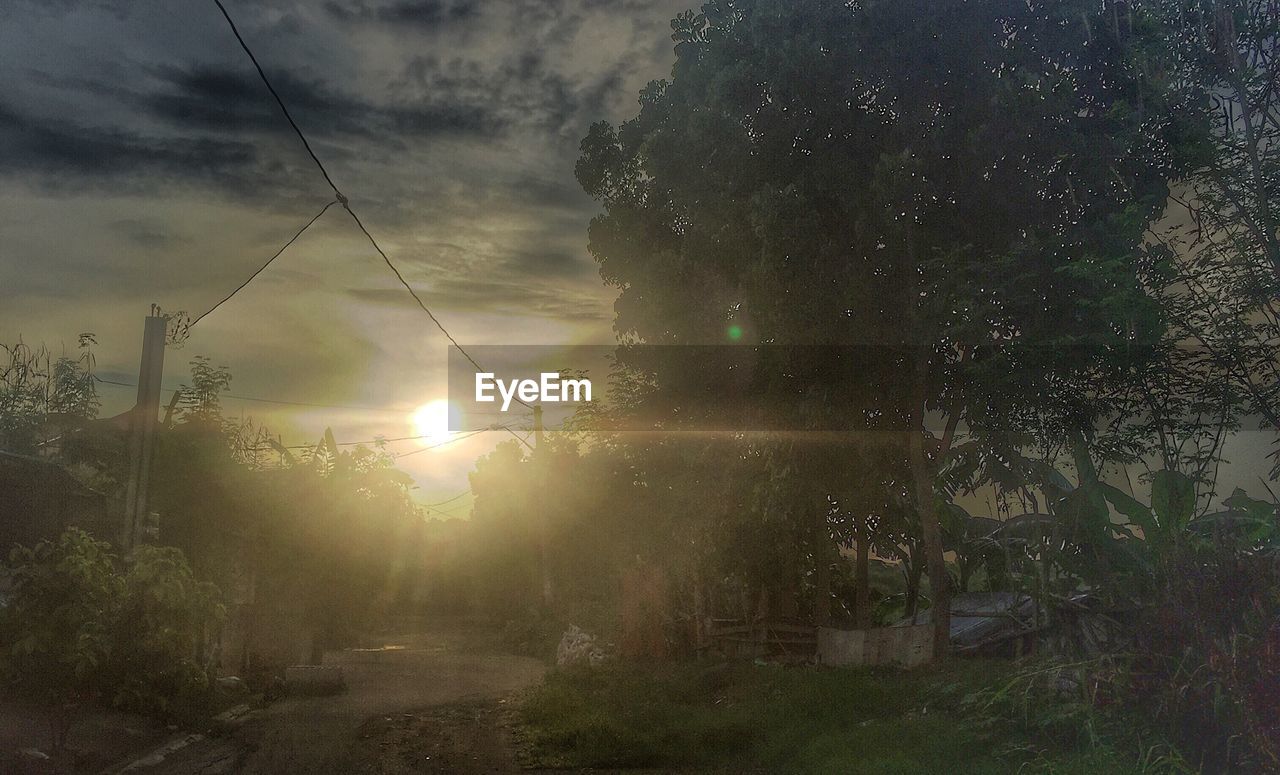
x,y
142,161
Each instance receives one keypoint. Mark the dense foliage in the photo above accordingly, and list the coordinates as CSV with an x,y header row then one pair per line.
x,y
40,392
960,189
310,543
316,542
768,718
1049,227
78,624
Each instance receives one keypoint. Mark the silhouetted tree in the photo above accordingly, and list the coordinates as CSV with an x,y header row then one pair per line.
x,y
960,186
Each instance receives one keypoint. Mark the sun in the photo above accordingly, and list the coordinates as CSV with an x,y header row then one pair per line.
x,y
431,422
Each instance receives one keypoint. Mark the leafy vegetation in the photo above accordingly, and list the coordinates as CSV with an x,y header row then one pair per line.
x,y
322,539
163,635
770,719
1043,317
37,388
80,625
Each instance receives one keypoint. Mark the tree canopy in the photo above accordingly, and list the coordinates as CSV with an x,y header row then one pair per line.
x,y
961,188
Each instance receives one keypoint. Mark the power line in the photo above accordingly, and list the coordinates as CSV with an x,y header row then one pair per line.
x,y
450,513
266,400
450,441
414,293
282,249
453,510
462,494
385,440
341,198
279,101
379,440
524,441
318,444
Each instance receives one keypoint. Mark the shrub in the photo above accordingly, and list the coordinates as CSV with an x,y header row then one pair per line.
x,y
162,636
79,625
56,623
1209,654
1056,704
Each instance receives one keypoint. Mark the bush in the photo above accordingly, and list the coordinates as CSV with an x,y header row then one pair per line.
x,y
80,625
162,635
1056,704
872,721
57,624
1209,654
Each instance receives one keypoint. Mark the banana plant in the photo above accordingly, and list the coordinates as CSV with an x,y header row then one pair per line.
x,y
1254,522
1170,519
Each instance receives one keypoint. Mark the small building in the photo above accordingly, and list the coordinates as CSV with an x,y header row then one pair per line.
x,y
39,500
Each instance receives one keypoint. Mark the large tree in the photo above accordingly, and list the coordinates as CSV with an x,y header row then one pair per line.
x,y
957,186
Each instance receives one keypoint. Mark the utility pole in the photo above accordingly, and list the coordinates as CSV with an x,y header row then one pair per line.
x,y
539,465
142,428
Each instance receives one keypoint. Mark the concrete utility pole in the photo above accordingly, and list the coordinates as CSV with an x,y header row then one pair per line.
x,y
142,428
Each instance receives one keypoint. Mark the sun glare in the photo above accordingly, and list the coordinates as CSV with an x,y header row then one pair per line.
x,y
431,422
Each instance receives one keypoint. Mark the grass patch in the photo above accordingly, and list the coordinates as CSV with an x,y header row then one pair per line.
x,y
746,717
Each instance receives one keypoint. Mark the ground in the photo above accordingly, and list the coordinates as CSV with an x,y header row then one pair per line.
x,y
449,679
441,666
447,699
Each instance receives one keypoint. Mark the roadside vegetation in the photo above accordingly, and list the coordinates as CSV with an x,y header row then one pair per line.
x,y
1050,228
974,716
262,556
83,626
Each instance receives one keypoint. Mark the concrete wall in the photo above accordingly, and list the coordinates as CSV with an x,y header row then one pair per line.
x,y
904,646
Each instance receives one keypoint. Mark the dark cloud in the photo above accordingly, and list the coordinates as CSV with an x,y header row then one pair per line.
x,y
35,145
548,263
418,13
215,98
148,233
234,100
551,193
118,8
532,93
144,161
496,296
210,123
218,127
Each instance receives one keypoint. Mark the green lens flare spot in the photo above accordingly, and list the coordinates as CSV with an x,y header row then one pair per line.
x,y
735,332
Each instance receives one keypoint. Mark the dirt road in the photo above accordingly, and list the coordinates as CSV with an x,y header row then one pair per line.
x,y
424,702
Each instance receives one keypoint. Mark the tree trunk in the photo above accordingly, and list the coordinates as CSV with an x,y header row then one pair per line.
x,y
913,587
822,571
822,591
930,529
931,537
862,578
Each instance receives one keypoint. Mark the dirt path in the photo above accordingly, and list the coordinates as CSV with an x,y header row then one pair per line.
x,y
425,702
464,738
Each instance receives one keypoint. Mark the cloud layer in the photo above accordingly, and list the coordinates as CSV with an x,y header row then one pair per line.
x,y
143,161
